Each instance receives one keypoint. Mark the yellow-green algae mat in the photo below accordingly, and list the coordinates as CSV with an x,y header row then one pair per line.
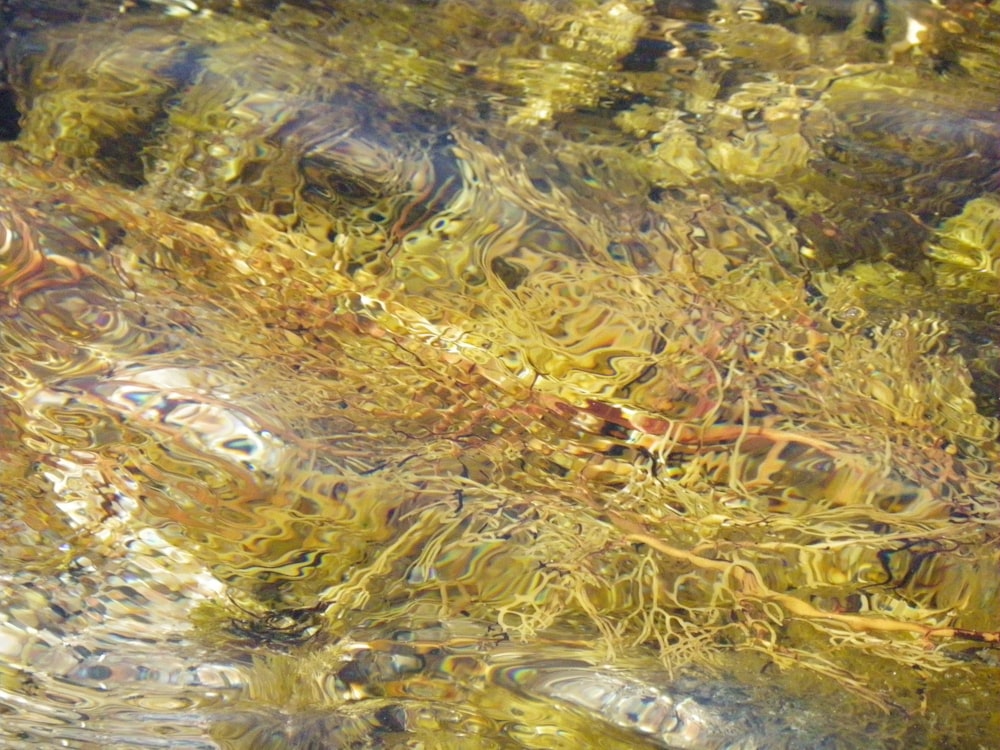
x,y
513,374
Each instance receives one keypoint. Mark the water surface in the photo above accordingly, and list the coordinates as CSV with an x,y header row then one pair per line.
x,y
499,375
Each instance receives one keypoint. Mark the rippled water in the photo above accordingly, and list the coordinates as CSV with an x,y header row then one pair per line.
x,y
499,374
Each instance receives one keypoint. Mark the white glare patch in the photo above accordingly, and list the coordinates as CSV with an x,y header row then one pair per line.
x,y
913,31
191,404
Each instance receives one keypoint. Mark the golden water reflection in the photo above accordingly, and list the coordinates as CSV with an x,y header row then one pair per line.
x,y
495,375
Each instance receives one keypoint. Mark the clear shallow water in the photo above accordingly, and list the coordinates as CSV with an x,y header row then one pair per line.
x,y
499,375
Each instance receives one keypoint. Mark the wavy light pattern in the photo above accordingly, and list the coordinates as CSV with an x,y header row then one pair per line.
x,y
499,375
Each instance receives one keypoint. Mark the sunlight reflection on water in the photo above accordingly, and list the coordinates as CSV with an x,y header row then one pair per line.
x,y
500,375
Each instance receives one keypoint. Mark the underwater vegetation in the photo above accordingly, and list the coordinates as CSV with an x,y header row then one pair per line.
x,y
499,374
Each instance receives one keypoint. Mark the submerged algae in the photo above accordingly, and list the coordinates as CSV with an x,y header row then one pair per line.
x,y
471,360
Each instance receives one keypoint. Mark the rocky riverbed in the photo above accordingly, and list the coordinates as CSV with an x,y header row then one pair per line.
x,y
499,375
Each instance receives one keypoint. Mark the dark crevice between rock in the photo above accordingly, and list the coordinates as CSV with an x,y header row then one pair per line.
x,y
10,117
646,55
